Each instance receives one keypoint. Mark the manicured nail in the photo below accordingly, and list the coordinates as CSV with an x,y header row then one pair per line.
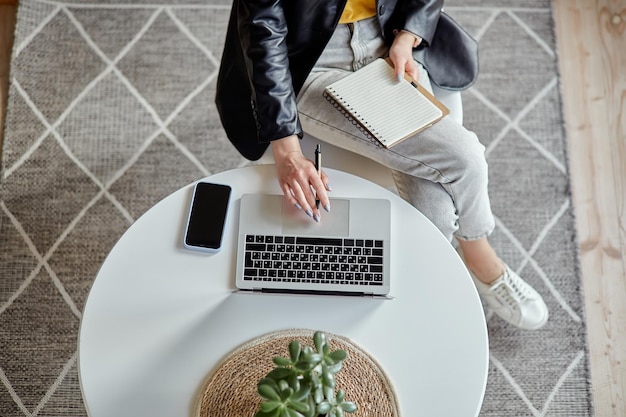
x,y
298,206
327,208
328,187
400,77
309,213
316,217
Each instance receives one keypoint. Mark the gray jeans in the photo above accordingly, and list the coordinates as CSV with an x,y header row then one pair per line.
x,y
442,171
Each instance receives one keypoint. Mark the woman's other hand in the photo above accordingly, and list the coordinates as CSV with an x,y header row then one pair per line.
x,y
401,54
298,177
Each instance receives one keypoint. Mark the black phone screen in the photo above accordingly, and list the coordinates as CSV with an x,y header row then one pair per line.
x,y
207,215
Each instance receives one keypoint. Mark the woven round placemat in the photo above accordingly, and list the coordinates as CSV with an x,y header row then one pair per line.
x,y
230,390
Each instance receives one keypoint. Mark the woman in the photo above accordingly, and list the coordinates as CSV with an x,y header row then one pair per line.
x,y
279,56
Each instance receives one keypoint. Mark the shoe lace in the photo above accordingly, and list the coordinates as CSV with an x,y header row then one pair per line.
x,y
511,289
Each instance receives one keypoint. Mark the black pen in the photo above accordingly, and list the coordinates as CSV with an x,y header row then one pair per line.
x,y
318,167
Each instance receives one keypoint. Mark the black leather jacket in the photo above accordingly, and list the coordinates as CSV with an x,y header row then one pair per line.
x,y
272,45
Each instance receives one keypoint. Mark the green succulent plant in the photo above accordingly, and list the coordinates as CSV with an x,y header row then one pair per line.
x,y
303,385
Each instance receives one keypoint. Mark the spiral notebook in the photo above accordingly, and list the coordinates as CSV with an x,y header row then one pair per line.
x,y
383,108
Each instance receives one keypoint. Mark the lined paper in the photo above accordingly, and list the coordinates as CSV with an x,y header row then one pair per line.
x,y
388,109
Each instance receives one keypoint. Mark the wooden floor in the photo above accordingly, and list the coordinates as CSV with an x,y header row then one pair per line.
x,y
591,36
7,23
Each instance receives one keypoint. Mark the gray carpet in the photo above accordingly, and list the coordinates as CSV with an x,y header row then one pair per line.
x,y
111,109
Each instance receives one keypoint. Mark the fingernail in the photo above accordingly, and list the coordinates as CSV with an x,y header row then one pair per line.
x,y
309,213
400,77
316,217
298,206
328,187
327,208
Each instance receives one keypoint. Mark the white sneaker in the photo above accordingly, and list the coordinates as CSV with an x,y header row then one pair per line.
x,y
516,302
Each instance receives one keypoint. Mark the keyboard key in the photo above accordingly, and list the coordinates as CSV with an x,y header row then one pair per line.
x,y
319,241
259,247
377,260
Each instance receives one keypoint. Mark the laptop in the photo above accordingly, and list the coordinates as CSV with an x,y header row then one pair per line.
x,y
281,249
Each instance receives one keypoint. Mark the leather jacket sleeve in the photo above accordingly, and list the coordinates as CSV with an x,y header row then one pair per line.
x,y
416,16
263,32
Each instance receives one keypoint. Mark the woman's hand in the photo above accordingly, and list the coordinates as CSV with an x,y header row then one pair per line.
x,y
298,177
401,54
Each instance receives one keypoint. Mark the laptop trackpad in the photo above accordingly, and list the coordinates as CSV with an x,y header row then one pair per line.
x,y
335,223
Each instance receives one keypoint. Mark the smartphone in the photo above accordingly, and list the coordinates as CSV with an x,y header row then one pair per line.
x,y
207,216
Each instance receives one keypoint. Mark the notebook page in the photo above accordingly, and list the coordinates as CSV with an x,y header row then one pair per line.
x,y
392,110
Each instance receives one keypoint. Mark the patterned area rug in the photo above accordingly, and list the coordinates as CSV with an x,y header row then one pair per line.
x,y
111,109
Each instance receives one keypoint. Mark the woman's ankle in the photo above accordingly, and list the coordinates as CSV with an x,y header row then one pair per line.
x,y
481,259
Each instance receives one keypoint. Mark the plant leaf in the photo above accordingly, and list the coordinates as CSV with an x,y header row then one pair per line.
x,y
328,379
319,339
288,412
312,407
329,393
315,380
336,412
268,406
270,382
338,355
334,368
286,394
274,413
304,365
348,406
280,361
308,362
294,382
340,396
302,394
279,373
323,408
300,406
282,385
318,395
307,352
268,392
294,350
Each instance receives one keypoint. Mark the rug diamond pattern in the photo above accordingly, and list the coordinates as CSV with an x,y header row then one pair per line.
x,y
45,352
36,65
130,55
77,259
512,82
112,29
155,61
116,142
28,129
56,206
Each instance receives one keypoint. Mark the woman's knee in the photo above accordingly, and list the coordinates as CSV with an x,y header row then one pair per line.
x,y
470,159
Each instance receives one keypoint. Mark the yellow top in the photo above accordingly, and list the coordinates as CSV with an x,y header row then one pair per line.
x,y
358,10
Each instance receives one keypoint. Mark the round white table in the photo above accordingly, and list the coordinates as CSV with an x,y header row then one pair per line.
x,y
159,317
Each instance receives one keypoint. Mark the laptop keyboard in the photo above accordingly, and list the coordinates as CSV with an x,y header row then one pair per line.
x,y
313,260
